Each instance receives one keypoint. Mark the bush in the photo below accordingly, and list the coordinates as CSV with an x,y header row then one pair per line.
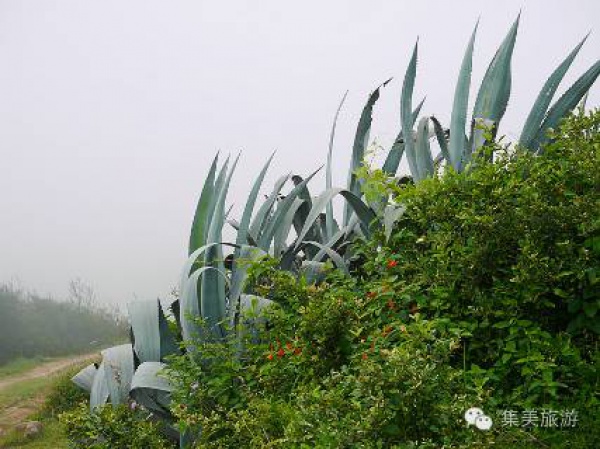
x,y
112,427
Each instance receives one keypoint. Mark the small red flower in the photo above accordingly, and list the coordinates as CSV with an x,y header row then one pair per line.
x,y
280,353
297,351
371,295
289,345
270,356
392,263
364,356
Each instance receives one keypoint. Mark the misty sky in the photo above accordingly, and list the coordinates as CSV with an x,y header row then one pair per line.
x,y
110,111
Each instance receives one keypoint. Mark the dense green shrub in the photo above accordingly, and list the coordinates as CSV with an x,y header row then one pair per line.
x,y
64,396
112,427
484,295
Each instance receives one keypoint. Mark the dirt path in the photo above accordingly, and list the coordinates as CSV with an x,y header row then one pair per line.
x,y
45,369
15,413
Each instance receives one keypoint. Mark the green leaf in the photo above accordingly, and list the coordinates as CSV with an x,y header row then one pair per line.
x,y
99,393
391,215
84,379
242,236
282,232
494,91
566,103
203,211
406,111
334,256
423,157
151,389
263,213
363,212
394,156
458,119
538,111
361,140
151,336
329,221
118,370
441,138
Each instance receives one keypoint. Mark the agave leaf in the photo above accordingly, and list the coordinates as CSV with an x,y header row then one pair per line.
x,y
363,212
566,103
538,111
458,119
441,138
391,215
314,272
212,287
299,217
328,177
251,319
394,156
84,379
267,236
332,243
423,151
152,338
283,231
246,255
118,371
494,91
261,216
242,236
406,109
361,140
203,212
99,393
333,255
151,389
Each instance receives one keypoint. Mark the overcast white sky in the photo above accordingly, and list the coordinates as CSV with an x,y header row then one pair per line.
x,y
110,111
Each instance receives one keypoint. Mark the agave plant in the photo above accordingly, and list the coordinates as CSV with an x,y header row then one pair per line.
x,y
212,286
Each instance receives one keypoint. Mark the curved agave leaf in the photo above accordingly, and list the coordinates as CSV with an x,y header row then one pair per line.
x,y
458,119
212,288
151,389
441,138
260,219
362,211
538,111
328,178
118,370
333,255
406,109
566,103
494,91
394,156
299,217
332,243
242,236
203,211
151,336
247,255
99,393
423,158
314,272
361,140
84,379
251,320
267,236
391,215
283,231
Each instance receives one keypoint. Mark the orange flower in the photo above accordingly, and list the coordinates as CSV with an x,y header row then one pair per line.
x,y
289,345
297,351
364,356
280,353
371,295
392,263
270,356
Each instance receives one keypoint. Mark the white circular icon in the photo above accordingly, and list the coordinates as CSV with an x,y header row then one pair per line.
x,y
472,414
483,422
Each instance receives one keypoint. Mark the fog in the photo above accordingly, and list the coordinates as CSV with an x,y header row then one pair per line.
x,y
111,111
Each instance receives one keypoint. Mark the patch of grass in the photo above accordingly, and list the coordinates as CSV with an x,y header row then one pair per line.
x,y
20,365
52,436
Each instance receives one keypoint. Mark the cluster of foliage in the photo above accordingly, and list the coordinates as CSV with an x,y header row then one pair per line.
x,y
484,294
218,304
31,326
